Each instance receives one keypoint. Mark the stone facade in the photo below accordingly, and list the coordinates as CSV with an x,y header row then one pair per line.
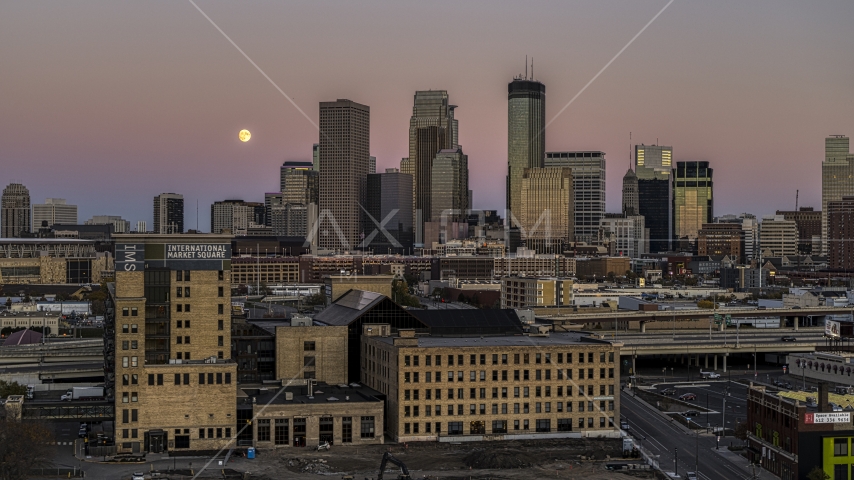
x,y
318,352
493,388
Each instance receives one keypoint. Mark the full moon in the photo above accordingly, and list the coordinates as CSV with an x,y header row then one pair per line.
x,y
244,135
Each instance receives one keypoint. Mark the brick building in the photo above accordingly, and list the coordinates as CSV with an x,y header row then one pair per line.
x,y
808,222
840,234
167,341
789,439
494,387
518,292
716,239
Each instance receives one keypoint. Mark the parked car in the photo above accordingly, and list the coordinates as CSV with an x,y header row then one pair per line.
x,y
668,391
788,338
834,407
687,396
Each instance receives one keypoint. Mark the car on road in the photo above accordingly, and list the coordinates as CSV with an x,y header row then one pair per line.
x,y
138,476
690,413
788,338
687,396
624,425
668,391
691,476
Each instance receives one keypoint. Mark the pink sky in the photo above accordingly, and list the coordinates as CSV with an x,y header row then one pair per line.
x,y
110,103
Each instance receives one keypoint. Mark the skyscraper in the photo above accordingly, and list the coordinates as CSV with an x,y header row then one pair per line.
x,y
778,237
588,187
630,193
232,216
432,127
15,211
809,227
168,213
390,193
526,140
837,177
299,183
692,199
547,218
653,165
449,186
345,141
53,211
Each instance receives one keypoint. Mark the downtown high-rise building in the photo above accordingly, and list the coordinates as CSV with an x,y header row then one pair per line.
x,y
778,237
653,165
432,127
526,140
837,177
588,187
692,199
344,156
630,193
840,232
15,211
546,219
120,225
808,221
233,216
168,213
53,211
449,186
389,204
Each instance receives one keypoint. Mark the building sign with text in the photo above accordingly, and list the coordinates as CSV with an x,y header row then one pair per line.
x,y
174,256
827,417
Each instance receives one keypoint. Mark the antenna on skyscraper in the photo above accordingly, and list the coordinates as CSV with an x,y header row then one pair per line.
x,y
796,199
532,68
630,150
526,67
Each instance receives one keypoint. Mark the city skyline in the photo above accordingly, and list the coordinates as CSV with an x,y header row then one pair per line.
x,y
742,124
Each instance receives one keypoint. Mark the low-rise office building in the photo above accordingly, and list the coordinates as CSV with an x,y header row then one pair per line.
x,y
25,320
452,389
307,414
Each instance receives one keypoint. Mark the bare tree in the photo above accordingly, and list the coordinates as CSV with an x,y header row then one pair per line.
x,y
23,446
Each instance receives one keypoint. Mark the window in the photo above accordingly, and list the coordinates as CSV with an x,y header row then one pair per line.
x,y
179,308
125,362
179,275
125,397
219,378
544,425
220,291
564,425
125,311
125,328
308,346
840,447
219,325
367,427
220,275
134,362
125,379
186,308
177,379
219,341
125,344
134,344
125,415
179,292
455,428
134,312
220,309
282,431
159,379
347,429
133,328
228,378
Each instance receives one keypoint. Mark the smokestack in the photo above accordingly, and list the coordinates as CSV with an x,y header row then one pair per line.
x,y
823,397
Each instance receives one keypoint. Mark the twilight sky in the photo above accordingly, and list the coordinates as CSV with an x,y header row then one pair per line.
x,y
108,103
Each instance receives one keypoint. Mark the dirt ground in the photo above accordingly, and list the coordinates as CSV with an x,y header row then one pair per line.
x,y
563,459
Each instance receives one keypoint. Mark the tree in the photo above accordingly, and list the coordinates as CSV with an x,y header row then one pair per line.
x,y
317,299
705,304
11,388
817,474
400,294
23,446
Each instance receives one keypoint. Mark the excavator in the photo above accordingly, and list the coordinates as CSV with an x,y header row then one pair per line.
x,y
388,457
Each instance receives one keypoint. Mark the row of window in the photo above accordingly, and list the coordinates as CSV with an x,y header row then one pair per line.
x,y
518,375
543,425
217,378
133,311
525,392
518,358
278,430
504,408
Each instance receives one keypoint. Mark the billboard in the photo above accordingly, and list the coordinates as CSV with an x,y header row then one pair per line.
x,y
831,329
828,417
175,256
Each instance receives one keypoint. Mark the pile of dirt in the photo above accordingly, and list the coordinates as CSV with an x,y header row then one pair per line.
x,y
493,458
309,465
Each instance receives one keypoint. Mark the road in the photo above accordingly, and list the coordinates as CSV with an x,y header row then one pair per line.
x,y
667,442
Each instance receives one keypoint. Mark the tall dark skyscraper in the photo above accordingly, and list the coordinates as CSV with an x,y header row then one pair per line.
x,y
390,193
169,213
653,167
15,210
344,154
526,140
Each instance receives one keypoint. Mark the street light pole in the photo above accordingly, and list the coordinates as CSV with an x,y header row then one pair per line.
x,y
676,461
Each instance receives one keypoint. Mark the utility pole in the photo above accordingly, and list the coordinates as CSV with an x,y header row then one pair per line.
x,y
723,419
676,461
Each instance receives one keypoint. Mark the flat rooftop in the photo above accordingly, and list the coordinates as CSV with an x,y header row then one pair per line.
x,y
323,393
554,339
